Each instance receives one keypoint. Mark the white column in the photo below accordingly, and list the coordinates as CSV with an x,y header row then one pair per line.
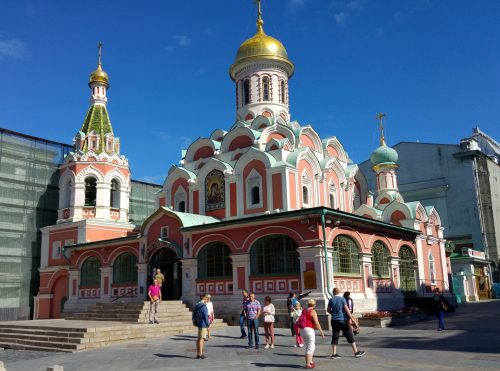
x,y
315,255
366,264
420,262
189,276
102,200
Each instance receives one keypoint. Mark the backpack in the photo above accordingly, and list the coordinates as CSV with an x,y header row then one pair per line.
x,y
302,321
197,316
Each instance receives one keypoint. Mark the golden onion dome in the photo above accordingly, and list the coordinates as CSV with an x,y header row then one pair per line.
x,y
99,76
261,46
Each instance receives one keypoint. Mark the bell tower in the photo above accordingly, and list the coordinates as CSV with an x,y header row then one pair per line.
x,y
95,177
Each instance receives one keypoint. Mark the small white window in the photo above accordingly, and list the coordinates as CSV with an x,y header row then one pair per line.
x,y
164,232
306,190
254,194
56,249
432,268
180,200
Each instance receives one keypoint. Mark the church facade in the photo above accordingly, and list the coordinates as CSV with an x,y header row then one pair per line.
x,y
268,206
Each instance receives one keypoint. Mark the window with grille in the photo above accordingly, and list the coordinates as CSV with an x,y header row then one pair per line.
x,y
214,261
246,91
276,254
90,273
407,270
283,92
115,194
345,256
380,260
125,269
90,191
265,88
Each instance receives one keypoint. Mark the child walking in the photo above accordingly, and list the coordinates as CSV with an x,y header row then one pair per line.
x,y
295,314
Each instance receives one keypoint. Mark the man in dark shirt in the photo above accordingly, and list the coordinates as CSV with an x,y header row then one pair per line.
x,y
244,302
293,299
337,307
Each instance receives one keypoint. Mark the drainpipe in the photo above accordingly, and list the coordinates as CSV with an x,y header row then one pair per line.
x,y
325,249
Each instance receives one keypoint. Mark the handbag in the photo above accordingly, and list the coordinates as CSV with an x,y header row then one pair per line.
x,y
268,318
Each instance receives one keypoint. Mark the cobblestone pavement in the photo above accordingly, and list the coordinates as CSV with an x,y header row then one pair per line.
x,y
469,342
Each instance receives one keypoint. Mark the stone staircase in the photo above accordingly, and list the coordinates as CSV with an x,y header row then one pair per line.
x,y
99,326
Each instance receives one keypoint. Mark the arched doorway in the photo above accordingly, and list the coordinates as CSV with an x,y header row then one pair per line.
x,y
167,260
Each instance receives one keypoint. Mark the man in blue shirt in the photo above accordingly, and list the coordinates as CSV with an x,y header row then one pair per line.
x,y
200,319
337,307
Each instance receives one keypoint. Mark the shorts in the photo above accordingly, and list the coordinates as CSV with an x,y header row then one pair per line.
x,y
338,326
202,332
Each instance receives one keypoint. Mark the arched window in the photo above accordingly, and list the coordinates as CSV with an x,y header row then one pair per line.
x,y
345,256
275,254
380,260
182,206
125,268
214,261
246,91
408,284
283,92
432,268
255,195
332,200
66,194
90,191
90,273
114,201
265,88
305,195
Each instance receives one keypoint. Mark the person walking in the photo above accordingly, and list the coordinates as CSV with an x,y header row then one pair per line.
x,y
269,313
154,294
244,302
350,305
211,314
159,277
297,311
337,307
311,323
291,300
200,320
439,308
253,311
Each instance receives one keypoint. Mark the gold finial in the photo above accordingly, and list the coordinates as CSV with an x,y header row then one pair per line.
x,y
260,22
99,47
381,117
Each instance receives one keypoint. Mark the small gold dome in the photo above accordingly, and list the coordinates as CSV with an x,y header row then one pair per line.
x,y
261,46
99,76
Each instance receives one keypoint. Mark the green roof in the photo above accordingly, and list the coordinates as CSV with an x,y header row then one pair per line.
x,y
97,120
384,155
191,220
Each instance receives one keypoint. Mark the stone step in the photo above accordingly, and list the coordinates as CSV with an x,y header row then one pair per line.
x,y
33,347
43,332
42,338
45,344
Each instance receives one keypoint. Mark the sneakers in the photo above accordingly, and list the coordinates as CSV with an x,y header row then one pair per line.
x,y
359,354
150,322
267,346
157,322
201,357
301,345
256,347
295,346
272,346
243,336
312,365
335,356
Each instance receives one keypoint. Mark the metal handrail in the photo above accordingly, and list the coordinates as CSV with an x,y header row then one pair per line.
x,y
121,296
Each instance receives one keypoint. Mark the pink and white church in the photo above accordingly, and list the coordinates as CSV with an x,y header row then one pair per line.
x,y
266,205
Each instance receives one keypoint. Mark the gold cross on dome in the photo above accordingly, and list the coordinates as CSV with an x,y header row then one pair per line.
x,y
380,117
99,47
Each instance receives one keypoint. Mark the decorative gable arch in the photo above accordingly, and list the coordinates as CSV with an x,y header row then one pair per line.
x,y
116,173
278,132
245,135
262,121
201,148
333,148
309,138
89,170
394,207
254,154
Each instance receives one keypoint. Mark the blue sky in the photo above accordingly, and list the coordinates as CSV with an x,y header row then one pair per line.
x,y
432,66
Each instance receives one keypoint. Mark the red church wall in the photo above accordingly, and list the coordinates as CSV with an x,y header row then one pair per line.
x,y
203,152
61,236
306,141
196,202
332,152
277,192
174,233
233,199
261,169
97,234
292,188
240,142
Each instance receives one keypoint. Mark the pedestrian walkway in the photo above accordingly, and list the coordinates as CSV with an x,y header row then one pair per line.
x,y
469,342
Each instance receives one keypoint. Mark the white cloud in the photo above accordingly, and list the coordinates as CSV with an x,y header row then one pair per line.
x,y
295,4
340,18
13,48
182,40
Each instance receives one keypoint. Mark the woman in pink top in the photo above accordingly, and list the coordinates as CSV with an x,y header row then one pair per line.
x,y
308,332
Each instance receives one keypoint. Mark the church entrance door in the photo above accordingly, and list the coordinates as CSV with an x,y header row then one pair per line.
x,y
167,260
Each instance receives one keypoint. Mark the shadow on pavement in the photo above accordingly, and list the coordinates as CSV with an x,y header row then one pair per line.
x,y
172,356
278,365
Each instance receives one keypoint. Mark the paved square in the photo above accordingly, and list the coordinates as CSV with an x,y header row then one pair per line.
x,y
469,342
